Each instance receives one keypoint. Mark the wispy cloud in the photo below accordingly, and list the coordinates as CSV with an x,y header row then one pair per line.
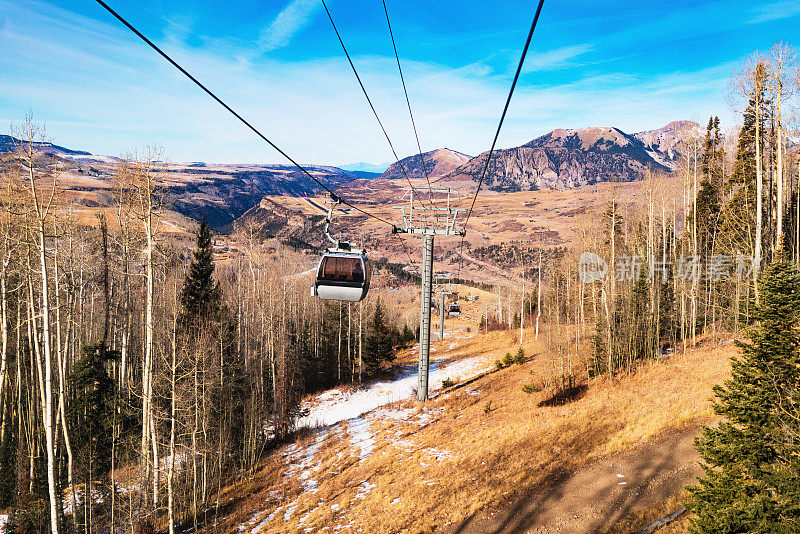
x,y
776,11
293,18
556,58
103,91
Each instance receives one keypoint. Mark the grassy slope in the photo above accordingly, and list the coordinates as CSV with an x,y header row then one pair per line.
x,y
450,458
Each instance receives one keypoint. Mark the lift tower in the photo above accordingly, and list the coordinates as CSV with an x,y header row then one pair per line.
x,y
437,218
442,286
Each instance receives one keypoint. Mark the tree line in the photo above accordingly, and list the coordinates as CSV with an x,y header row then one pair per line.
x,y
137,374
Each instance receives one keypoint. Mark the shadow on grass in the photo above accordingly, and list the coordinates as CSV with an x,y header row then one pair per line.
x,y
519,509
566,396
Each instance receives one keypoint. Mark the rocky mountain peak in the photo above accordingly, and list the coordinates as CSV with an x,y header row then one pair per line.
x,y
438,163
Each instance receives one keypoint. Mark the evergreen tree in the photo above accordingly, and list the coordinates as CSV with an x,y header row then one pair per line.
x,y
599,348
407,336
707,216
204,322
92,410
379,345
667,324
744,168
752,459
643,342
713,154
201,296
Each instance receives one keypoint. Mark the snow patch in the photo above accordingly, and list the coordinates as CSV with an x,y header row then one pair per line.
x,y
334,406
305,461
83,158
361,437
287,515
364,489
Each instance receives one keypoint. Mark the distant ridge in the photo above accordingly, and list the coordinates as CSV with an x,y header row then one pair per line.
x,y
8,144
565,158
438,163
365,167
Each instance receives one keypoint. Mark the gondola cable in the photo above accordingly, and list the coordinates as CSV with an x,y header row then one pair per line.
x,y
497,132
369,100
152,45
408,101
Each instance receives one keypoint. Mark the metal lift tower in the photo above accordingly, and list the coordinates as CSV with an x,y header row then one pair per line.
x,y
428,221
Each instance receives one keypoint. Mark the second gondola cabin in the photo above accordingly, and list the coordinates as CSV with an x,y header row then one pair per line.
x,y
454,309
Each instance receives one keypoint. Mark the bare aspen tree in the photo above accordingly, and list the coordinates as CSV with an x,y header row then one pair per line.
x,y
750,84
141,176
5,260
41,200
173,414
522,309
62,375
538,296
780,64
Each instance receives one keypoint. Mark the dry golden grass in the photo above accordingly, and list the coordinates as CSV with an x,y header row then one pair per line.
x,y
452,457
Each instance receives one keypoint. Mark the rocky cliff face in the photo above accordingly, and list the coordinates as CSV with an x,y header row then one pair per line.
x,y
224,193
666,144
563,159
438,163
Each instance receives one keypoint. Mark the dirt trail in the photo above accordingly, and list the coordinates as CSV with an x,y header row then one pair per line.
x,y
594,497
503,274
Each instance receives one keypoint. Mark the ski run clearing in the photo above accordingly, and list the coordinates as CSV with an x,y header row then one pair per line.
x,y
362,459
353,423
334,406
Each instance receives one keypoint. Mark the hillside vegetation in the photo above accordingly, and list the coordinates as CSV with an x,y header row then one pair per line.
x,y
474,449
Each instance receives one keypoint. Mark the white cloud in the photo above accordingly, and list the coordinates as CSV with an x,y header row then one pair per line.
x,y
292,19
776,11
100,89
556,58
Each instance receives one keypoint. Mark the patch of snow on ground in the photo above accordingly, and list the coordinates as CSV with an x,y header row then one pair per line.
x,y
361,437
305,458
83,158
364,489
653,154
400,414
440,454
287,515
333,406
271,516
3,523
348,525
261,526
428,416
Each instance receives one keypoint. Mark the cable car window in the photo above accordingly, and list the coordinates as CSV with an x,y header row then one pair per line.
x,y
342,269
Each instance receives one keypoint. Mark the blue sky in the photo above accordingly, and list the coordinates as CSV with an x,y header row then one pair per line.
x,y
632,65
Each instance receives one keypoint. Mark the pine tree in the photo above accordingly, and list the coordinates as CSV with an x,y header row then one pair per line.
x,y
92,410
407,336
751,459
201,296
379,345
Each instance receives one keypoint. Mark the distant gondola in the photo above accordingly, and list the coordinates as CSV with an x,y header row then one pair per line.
x,y
454,309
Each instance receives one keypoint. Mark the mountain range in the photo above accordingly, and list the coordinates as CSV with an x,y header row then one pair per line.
x,y
9,144
561,159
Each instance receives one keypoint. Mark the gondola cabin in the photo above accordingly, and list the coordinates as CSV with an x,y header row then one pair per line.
x,y
343,276
454,309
